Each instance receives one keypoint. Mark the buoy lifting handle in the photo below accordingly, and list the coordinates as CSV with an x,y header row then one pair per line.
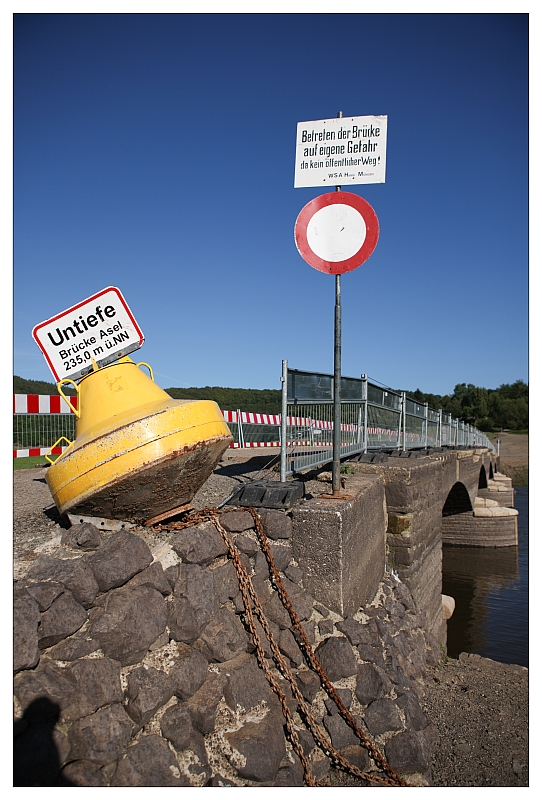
x,y
62,439
76,411
144,364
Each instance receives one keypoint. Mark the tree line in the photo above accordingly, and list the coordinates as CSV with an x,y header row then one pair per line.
x,y
488,409
504,408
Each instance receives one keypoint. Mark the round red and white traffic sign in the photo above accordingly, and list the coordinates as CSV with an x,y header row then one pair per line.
x,y
336,232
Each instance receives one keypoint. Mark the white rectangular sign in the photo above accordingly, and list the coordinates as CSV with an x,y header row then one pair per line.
x,y
341,150
102,328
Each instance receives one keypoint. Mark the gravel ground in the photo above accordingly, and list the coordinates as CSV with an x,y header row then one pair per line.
x,y
480,707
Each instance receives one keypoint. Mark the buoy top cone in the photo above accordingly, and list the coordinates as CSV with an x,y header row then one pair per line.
x,y
114,395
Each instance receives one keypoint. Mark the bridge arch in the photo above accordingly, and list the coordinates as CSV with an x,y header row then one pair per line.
x,y
482,478
458,500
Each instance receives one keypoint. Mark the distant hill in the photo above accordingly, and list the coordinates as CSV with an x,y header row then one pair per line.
x,y
261,401
24,386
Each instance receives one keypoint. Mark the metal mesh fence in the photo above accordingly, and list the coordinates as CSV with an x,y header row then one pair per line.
x,y
41,430
372,418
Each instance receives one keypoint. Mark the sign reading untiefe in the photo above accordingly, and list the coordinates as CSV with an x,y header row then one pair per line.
x,y
101,328
341,150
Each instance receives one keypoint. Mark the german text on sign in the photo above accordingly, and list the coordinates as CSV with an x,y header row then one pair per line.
x,y
101,328
340,151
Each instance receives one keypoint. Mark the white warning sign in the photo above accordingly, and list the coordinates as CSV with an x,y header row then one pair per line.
x,y
101,328
340,151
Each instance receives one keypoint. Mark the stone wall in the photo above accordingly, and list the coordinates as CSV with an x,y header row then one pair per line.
x,y
136,668
417,489
500,490
476,529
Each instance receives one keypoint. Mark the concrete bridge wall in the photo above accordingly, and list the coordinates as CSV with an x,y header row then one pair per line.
x,y
345,546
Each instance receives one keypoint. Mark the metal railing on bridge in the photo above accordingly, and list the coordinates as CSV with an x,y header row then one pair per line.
x,y
372,418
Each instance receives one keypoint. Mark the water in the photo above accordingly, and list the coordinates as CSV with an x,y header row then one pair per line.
x,y
490,587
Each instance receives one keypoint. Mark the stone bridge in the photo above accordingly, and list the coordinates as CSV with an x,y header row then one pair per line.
x,y
395,514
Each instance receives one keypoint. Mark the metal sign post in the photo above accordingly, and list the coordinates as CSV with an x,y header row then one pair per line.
x,y
336,468
336,233
336,465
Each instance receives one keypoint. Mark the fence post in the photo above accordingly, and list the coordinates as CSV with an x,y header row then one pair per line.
x,y
402,421
240,429
426,423
283,420
365,398
439,440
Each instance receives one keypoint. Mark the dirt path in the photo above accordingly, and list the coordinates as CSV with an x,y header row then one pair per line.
x,y
514,457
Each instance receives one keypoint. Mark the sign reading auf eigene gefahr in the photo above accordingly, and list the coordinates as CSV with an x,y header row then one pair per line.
x,y
101,328
341,150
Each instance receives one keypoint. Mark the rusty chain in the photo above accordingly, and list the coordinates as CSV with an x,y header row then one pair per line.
x,y
250,598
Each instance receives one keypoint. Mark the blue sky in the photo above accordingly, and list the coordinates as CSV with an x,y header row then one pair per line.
x,y
155,153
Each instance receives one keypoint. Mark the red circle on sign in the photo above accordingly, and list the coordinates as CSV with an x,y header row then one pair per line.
x,y
323,201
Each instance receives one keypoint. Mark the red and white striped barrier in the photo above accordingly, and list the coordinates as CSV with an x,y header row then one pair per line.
x,y
42,404
38,451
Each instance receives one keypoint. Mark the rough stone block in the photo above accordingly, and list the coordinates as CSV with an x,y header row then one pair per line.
x,y
45,691
182,621
357,756
237,521
84,773
415,718
189,671
282,555
382,716
262,745
101,737
197,585
224,637
246,685
148,690
26,617
130,620
289,647
154,576
82,537
45,593
246,545
75,574
64,617
98,682
370,685
203,703
150,762
346,697
200,544
73,648
340,733
176,726
119,558
337,658
276,524
355,632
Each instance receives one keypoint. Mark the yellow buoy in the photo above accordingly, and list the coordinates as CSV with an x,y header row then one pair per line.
x,y
137,453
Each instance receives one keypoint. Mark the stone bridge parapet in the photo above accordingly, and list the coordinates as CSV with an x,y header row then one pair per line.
x,y
417,493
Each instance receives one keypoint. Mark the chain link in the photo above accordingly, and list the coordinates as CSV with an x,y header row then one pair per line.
x,y
252,604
